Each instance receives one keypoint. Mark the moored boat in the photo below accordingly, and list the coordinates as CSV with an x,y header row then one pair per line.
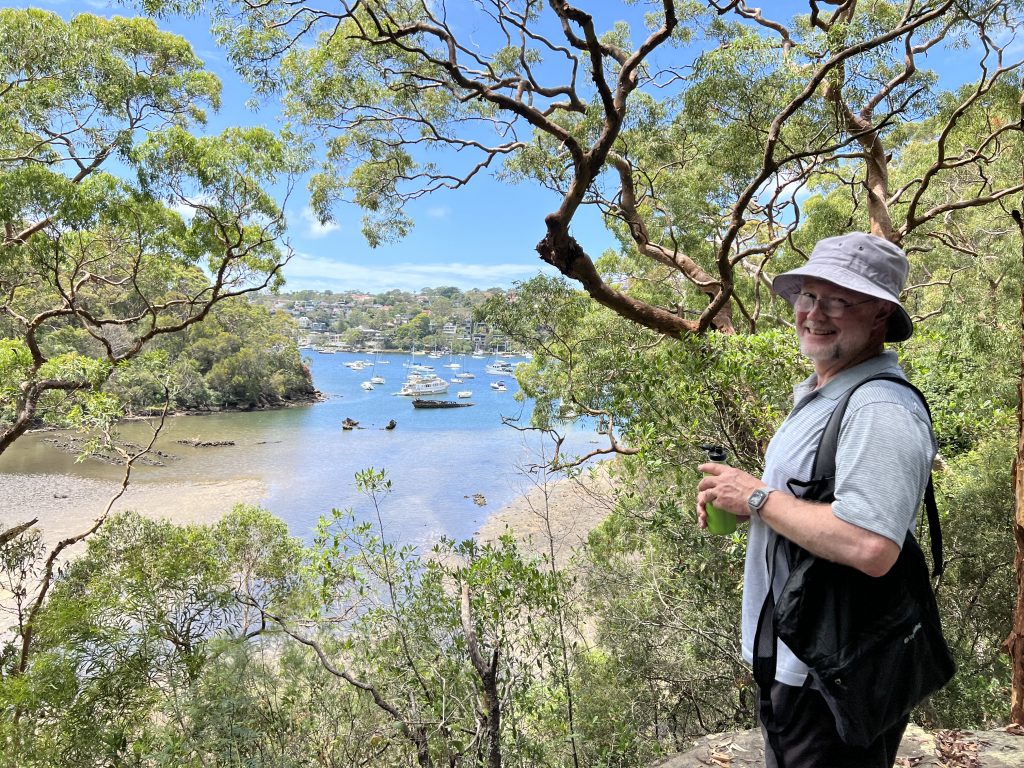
x,y
423,385
500,368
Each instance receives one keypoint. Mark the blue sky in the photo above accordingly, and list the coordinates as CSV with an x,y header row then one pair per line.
x,y
481,236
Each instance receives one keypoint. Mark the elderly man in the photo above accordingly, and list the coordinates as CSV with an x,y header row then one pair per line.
x,y
846,299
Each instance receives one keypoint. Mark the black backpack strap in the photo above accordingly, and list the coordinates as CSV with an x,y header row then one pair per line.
x,y
823,474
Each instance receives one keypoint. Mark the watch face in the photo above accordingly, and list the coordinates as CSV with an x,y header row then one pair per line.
x,y
757,498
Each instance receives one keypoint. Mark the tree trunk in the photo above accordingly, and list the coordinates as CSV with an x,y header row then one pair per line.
x,y
1014,644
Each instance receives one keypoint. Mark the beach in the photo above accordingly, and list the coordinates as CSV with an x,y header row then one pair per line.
x,y
66,505
554,518
550,517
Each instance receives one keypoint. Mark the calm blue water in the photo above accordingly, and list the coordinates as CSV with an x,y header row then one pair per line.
x,y
436,459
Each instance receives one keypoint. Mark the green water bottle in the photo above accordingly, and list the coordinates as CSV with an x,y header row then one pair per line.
x,y
719,521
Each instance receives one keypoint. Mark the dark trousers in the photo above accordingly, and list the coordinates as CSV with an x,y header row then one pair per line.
x,y
802,729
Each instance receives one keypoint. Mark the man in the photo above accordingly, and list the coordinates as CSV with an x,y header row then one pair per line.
x,y
846,299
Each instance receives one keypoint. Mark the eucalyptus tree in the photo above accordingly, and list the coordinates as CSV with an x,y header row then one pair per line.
x,y
121,224
696,137
699,132
144,655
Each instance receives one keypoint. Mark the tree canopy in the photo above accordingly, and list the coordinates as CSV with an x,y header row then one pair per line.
x,y
699,130
121,225
718,140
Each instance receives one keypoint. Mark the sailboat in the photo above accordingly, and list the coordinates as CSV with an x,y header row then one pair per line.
x,y
376,378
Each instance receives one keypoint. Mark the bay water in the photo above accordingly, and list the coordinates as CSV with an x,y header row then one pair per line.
x,y
450,469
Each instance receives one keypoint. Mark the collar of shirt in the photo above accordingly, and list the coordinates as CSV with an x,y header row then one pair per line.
x,y
805,391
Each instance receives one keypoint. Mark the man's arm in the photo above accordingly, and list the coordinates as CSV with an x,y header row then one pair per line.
x,y
809,524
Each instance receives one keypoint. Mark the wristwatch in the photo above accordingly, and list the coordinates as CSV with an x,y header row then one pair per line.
x,y
757,500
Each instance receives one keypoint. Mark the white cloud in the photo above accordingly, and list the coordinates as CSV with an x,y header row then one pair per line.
x,y
306,272
314,228
185,211
439,212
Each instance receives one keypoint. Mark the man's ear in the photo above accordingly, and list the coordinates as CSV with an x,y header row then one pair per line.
x,y
884,313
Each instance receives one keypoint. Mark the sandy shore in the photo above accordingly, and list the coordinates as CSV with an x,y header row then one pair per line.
x,y
67,505
554,517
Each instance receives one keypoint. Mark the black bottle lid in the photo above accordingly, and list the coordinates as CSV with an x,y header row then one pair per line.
x,y
715,452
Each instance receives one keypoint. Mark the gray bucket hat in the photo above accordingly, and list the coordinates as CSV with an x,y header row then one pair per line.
x,y
860,262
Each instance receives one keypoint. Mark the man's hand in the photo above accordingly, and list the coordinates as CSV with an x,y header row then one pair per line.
x,y
809,524
727,488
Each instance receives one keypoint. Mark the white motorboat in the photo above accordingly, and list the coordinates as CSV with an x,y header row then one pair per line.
x,y
423,385
367,385
465,393
499,386
500,368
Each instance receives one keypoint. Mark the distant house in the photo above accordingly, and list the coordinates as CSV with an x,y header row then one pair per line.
x,y
303,323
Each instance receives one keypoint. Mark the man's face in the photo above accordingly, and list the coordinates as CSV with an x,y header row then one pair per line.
x,y
837,341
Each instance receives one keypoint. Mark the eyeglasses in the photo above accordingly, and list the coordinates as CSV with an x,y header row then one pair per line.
x,y
834,308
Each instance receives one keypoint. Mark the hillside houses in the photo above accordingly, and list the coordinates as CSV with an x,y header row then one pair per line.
x,y
440,319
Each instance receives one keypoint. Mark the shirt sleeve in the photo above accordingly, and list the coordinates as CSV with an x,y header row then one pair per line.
x,y
883,462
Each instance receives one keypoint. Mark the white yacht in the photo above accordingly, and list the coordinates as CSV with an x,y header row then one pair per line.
x,y
423,385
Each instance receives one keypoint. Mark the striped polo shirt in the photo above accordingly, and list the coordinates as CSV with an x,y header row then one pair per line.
x,y
883,461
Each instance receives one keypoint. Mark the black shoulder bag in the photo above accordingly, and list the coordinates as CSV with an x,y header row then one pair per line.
x,y
874,646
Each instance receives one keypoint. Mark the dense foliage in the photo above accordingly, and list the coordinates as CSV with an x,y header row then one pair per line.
x,y
240,356
235,644
120,226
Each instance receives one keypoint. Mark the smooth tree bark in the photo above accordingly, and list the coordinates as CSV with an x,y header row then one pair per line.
x,y
1014,644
